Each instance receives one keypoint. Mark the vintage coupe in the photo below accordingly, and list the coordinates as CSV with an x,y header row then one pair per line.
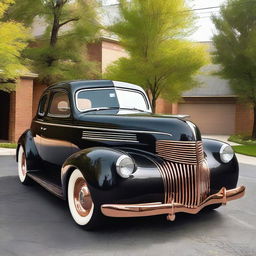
x,y
97,145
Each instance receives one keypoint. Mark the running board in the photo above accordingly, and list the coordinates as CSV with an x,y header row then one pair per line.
x,y
51,187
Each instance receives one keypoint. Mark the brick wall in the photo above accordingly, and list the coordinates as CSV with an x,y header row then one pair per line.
x,y
37,93
21,108
244,119
111,51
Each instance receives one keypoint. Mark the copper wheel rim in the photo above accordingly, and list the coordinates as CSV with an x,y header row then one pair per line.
x,y
23,164
82,198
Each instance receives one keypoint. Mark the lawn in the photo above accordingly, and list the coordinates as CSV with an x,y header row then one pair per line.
x,y
8,145
249,150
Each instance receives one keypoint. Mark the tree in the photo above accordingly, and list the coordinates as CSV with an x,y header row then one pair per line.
x,y
14,37
235,42
159,59
60,54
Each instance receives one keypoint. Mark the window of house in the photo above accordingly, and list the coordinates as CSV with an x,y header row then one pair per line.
x,y
60,106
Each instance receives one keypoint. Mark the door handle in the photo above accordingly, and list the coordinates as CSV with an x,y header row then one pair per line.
x,y
43,128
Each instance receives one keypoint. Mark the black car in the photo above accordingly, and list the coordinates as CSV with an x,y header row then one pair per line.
x,y
98,145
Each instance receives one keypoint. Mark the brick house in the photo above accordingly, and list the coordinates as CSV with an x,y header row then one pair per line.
x,y
212,106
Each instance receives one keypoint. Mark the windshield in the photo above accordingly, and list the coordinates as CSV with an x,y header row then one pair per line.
x,y
111,98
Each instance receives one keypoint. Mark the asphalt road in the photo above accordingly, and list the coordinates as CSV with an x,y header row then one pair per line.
x,y
34,222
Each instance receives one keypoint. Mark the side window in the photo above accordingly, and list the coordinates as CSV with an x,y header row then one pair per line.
x,y
43,105
60,106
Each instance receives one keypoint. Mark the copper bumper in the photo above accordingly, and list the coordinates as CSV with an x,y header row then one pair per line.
x,y
150,209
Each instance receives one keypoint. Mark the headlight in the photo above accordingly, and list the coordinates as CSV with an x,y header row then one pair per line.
x,y
125,166
226,153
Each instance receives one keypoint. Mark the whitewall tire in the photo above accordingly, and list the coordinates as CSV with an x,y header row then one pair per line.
x,y
80,201
22,167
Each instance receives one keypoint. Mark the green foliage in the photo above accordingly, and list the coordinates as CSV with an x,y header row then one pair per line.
x,y
60,54
14,37
248,150
159,59
235,48
242,139
8,145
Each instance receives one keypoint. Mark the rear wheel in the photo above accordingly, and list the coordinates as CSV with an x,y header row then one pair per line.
x,y
22,167
82,208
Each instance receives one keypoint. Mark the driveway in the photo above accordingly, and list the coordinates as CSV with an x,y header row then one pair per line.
x,y
34,222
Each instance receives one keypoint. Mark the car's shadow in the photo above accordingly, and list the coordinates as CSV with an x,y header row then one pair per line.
x,y
29,214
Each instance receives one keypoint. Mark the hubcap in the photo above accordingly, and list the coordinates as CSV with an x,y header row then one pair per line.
x,y
23,164
82,198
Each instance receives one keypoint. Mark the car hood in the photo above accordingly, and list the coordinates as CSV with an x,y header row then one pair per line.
x,y
171,127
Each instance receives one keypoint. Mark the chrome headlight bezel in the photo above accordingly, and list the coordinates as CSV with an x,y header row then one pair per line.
x,y
125,166
226,153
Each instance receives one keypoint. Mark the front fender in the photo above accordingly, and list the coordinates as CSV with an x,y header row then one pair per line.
x,y
221,174
98,166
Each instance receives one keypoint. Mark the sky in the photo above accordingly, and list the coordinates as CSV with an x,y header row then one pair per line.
x,y
205,27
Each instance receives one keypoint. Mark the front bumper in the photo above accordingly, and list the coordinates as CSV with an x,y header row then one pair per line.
x,y
158,208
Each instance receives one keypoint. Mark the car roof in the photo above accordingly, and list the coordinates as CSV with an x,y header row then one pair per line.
x,y
90,84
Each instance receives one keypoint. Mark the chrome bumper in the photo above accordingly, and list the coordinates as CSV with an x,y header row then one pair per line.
x,y
158,208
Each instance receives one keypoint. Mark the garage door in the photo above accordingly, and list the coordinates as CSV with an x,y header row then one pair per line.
x,y
211,118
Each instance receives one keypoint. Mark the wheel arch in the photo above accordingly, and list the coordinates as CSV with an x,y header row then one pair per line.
x,y
26,140
97,166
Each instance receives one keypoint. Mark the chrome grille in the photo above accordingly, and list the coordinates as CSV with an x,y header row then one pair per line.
x,y
185,173
187,152
109,136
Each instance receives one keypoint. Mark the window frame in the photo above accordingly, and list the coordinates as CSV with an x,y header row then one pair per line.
x,y
50,103
107,88
42,114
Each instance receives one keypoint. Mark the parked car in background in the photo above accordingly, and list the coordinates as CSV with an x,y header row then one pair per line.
x,y
97,145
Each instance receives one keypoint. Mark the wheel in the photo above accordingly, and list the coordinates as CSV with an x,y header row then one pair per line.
x,y
22,167
82,208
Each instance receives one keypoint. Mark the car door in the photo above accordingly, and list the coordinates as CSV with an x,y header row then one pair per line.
x,y
36,126
55,145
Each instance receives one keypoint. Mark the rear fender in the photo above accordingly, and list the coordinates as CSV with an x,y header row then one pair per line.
x,y
26,140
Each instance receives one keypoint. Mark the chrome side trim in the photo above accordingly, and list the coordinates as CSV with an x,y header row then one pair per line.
x,y
102,129
109,136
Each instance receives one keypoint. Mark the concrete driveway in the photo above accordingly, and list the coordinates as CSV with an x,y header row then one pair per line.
x,y
34,222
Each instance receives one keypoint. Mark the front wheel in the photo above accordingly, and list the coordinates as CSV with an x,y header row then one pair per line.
x,y
82,208
22,167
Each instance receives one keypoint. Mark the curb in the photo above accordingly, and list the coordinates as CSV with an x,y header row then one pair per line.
x,y
7,151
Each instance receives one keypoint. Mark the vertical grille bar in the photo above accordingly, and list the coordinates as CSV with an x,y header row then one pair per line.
x,y
186,182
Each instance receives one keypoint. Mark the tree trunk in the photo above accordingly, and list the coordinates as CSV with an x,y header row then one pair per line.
x,y
55,30
153,103
254,123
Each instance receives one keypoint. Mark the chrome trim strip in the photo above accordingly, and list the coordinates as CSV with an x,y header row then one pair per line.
x,y
114,140
102,129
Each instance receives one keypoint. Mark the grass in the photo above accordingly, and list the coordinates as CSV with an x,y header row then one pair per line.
x,y
8,145
248,150
242,139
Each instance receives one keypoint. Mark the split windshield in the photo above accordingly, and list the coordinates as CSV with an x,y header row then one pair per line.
x,y
91,99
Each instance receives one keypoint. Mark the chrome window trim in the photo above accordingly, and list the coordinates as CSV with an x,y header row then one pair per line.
x,y
113,88
102,129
